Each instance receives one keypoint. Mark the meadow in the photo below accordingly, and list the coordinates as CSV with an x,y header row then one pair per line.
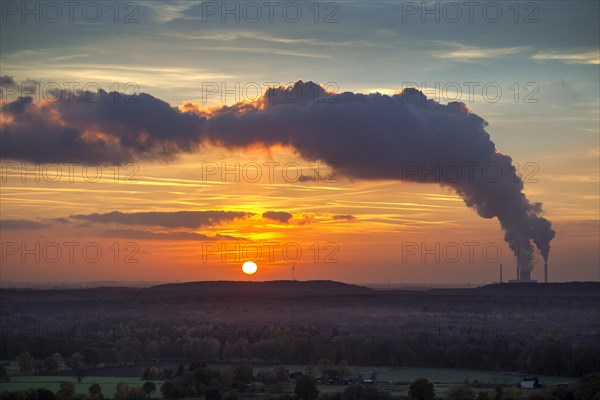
x,y
393,380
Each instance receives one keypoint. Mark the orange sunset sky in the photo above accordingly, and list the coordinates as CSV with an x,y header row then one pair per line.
x,y
376,245
339,225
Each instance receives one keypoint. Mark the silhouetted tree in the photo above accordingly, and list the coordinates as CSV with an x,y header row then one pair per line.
x,y
66,391
38,366
456,392
170,390
212,394
122,392
90,356
136,393
325,366
95,391
421,389
45,394
306,388
25,362
77,363
371,393
354,392
244,374
483,396
148,388
51,364
344,370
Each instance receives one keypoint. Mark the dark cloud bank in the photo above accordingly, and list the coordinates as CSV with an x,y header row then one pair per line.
x,y
21,224
159,219
150,235
343,217
373,136
171,219
279,216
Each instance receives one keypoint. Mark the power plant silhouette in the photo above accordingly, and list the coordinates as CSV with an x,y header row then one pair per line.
x,y
524,272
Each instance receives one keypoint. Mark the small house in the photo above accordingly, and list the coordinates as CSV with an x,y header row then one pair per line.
x,y
530,383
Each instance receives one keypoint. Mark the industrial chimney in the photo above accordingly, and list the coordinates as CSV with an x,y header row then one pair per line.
x,y
524,268
545,271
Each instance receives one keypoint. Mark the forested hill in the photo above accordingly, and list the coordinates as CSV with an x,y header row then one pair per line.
x,y
291,288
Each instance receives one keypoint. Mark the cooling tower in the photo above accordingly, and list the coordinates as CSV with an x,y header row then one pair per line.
x,y
524,269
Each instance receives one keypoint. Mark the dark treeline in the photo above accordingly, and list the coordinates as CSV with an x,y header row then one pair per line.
x,y
146,341
550,330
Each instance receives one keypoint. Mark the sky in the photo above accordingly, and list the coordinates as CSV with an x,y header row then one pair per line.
x,y
192,168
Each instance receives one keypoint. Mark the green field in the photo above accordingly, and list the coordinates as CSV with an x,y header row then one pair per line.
x,y
441,375
108,383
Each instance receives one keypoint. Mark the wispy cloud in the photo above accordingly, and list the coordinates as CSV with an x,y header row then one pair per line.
x,y
69,57
168,11
230,35
470,53
258,50
587,57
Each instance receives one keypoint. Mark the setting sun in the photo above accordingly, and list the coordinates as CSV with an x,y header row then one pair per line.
x,y
249,267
